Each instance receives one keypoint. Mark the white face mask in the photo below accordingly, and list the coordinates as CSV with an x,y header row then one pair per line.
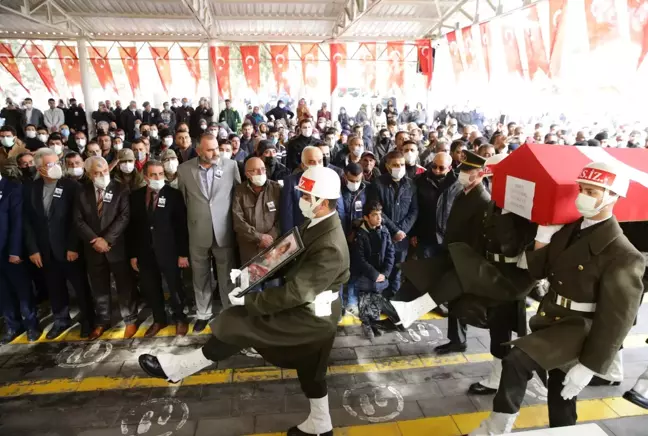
x,y
168,142
42,138
123,137
397,173
464,179
118,147
357,152
140,156
586,205
58,149
8,141
153,134
410,157
171,166
353,186
308,209
82,142
226,154
102,182
30,133
259,179
156,185
127,167
55,172
75,172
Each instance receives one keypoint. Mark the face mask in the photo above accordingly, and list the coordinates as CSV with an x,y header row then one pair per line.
x,y
112,134
42,138
270,161
30,133
127,167
203,126
166,107
171,166
275,141
357,152
118,146
226,154
185,103
259,179
307,132
28,172
307,209
464,179
168,142
57,149
397,173
8,141
281,106
123,137
81,142
410,158
384,141
102,182
140,156
353,186
146,134
55,172
586,205
156,185
65,132
75,172
154,134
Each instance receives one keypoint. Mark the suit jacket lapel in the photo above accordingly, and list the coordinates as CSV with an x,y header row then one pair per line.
x,y
54,203
196,173
91,199
37,198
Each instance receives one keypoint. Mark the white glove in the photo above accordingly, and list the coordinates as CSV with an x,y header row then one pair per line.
x,y
236,301
576,379
546,232
234,274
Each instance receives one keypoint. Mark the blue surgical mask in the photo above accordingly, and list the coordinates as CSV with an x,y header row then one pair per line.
x,y
275,141
65,132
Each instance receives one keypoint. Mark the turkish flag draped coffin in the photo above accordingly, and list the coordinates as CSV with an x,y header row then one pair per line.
x,y
538,181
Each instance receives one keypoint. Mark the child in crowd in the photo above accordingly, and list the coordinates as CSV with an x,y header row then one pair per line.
x,y
372,260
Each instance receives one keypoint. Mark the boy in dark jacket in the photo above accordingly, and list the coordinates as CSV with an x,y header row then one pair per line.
x,y
372,260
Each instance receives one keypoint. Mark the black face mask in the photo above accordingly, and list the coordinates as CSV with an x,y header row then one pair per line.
x,y
384,141
436,177
29,172
326,161
146,133
270,161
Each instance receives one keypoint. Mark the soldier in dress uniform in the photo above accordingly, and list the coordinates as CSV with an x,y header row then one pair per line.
x,y
595,277
292,325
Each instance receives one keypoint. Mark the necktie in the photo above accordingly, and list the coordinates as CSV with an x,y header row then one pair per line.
x,y
152,201
99,202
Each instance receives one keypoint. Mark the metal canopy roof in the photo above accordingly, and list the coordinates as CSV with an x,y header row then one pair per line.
x,y
242,20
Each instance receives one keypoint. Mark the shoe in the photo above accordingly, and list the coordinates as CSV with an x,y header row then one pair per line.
x,y
598,381
151,366
251,352
97,332
9,336
56,331
441,310
318,422
353,311
376,331
174,367
34,334
85,331
480,389
451,347
182,328
200,325
130,331
153,330
636,398
367,332
489,385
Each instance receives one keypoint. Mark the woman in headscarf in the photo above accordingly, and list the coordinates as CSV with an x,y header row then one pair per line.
x,y
302,110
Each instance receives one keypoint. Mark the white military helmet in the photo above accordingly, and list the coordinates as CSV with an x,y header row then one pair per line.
x,y
320,182
492,162
605,175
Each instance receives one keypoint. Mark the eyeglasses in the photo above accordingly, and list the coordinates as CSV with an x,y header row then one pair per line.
x,y
437,167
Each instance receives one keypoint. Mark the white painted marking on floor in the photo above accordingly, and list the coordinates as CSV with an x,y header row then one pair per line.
x,y
158,417
387,403
79,356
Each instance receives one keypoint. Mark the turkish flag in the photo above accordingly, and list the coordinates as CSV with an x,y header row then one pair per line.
x,y
338,59
535,48
557,11
309,58
511,47
250,58
367,55
161,58
469,47
486,39
220,60
131,66
70,64
644,45
455,53
8,61
638,13
396,58
101,66
602,21
425,59
280,64
193,65
39,59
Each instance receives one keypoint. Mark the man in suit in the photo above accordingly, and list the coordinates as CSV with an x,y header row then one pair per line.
x,y
52,242
158,245
150,115
32,115
207,184
75,118
129,117
15,286
101,215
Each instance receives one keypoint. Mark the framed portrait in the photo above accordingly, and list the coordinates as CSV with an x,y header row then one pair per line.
x,y
264,265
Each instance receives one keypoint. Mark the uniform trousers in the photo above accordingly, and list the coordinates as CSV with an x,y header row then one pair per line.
x,y
502,321
517,370
99,274
457,330
151,273
225,258
16,297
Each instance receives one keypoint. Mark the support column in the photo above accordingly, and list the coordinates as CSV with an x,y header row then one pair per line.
x,y
213,82
85,84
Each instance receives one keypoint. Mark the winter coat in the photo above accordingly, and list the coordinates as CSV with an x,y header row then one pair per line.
x,y
372,254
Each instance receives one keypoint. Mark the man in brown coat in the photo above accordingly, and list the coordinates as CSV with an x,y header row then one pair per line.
x,y
595,277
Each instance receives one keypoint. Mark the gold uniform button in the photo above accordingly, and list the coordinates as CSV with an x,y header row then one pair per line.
x,y
542,313
557,318
580,268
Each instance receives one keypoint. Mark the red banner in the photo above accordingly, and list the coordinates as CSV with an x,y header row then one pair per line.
x,y
557,10
367,54
534,44
511,47
9,62
338,59
469,48
250,59
220,60
455,53
396,58
309,58
602,21
131,66
644,45
638,13
425,59
161,58
193,65
280,64
39,59
70,64
99,61
486,38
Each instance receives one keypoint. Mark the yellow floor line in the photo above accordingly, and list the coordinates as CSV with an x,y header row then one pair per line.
x,y
456,425
244,375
